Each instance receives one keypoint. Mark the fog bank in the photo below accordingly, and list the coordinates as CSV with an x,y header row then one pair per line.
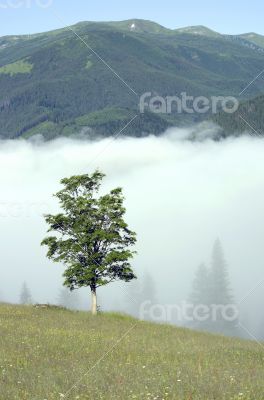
x,y
180,196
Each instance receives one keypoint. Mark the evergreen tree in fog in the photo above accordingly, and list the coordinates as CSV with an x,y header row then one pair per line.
x,y
25,295
200,288
69,299
148,290
220,292
200,296
211,288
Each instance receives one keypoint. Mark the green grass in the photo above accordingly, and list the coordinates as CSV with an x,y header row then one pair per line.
x,y
104,116
44,352
89,64
41,129
19,67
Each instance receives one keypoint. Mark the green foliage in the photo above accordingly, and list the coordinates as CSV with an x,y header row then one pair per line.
x,y
93,239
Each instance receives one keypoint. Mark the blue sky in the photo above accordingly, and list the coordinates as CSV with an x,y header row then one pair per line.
x,y
30,16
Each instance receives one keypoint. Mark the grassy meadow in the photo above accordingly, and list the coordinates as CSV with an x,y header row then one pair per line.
x,y
59,354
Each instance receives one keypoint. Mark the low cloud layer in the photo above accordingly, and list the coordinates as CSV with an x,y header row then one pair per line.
x,y
180,196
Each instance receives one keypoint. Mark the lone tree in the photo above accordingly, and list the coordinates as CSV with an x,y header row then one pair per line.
x,y
93,241
25,295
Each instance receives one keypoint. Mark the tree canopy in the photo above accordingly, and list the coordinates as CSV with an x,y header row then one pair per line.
x,y
92,238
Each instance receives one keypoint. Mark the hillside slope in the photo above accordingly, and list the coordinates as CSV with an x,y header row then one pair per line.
x,y
62,82
47,352
254,38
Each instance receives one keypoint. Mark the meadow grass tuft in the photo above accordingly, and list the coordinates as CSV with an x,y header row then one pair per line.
x,y
44,352
18,67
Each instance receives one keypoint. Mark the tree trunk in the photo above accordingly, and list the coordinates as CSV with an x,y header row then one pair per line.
x,y
94,301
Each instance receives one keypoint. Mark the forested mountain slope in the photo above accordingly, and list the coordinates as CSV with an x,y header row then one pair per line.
x,y
62,82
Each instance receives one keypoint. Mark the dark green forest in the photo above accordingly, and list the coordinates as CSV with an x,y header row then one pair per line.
x,y
55,85
248,118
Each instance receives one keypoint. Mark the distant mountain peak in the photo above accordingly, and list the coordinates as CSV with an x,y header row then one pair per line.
x,y
254,38
140,26
251,34
198,30
133,26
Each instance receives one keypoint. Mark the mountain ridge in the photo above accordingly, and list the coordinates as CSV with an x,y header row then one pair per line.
x,y
142,23
52,82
